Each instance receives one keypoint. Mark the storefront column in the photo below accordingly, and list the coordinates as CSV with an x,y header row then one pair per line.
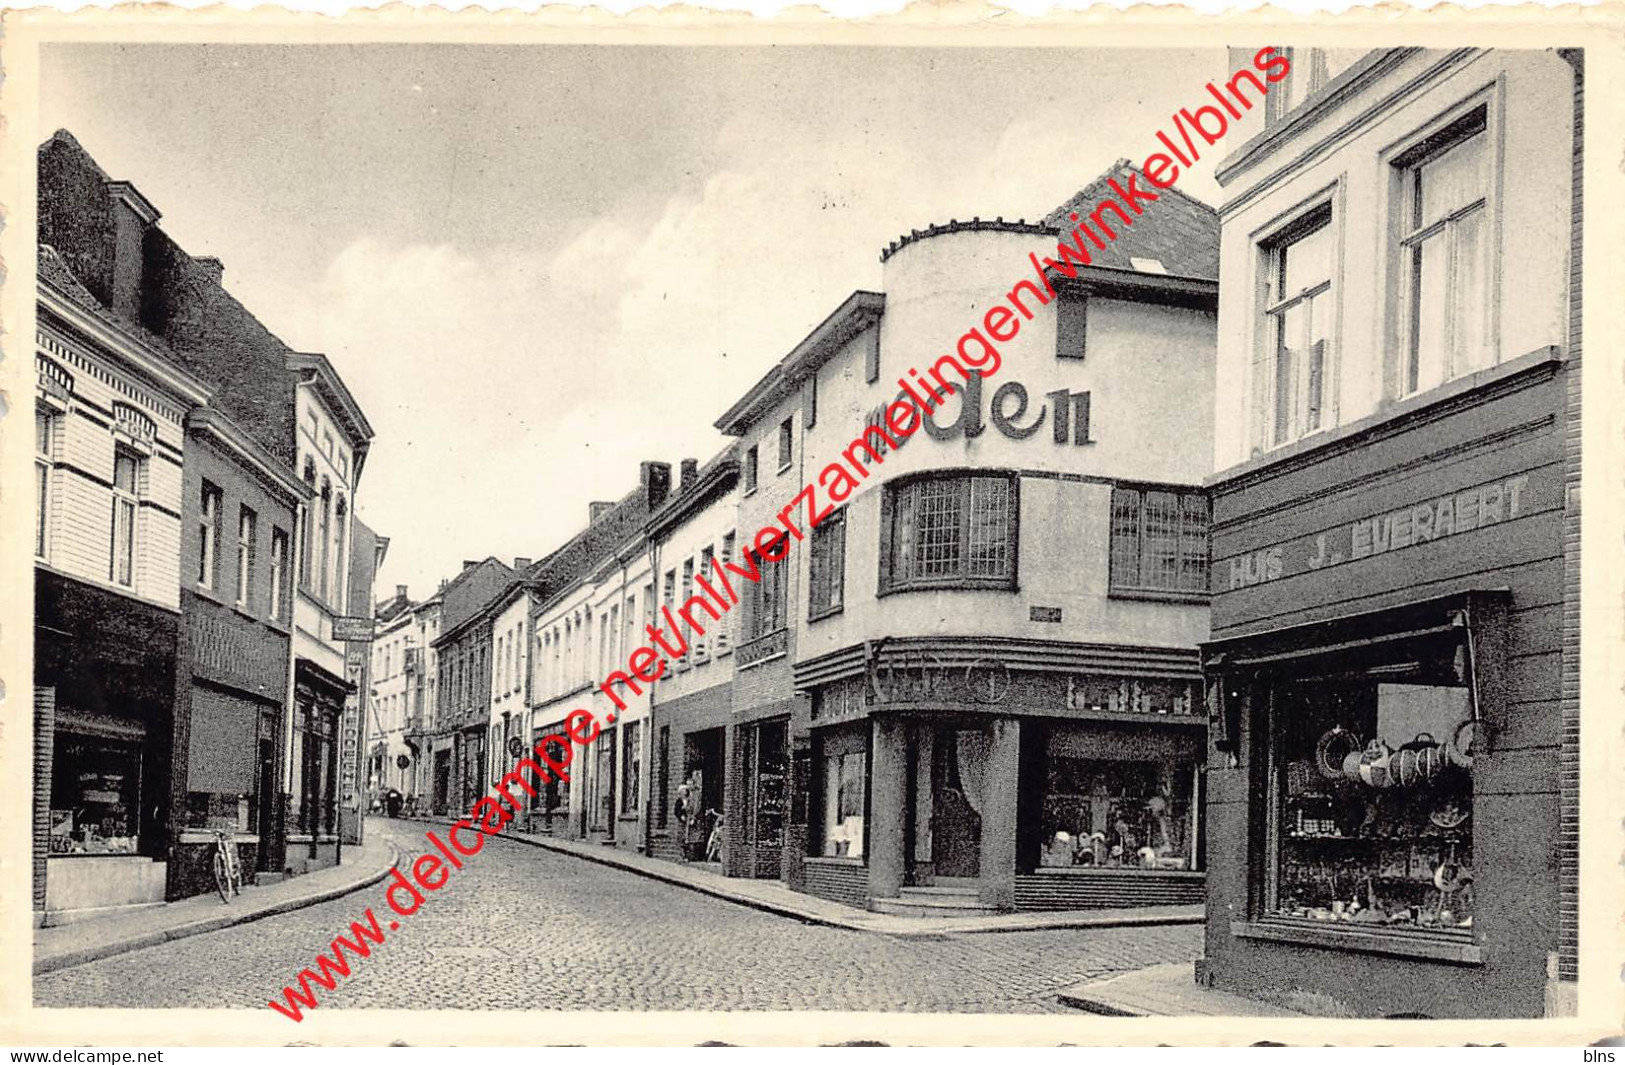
x,y
888,786
998,858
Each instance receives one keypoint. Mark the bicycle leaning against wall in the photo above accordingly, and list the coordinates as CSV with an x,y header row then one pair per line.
x,y
228,869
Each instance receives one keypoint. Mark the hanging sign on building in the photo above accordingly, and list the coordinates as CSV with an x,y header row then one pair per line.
x,y
359,629
1483,508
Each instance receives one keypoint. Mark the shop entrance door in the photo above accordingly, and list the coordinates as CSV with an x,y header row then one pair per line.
x,y
442,782
957,766
267,805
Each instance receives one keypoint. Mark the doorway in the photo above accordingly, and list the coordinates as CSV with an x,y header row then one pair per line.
x,y
442,783
958,767
267,805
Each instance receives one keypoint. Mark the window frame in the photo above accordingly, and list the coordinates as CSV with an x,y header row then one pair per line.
x,y
832,528
247,534
750,470
280,546
211,501
125,502
1140,590
45,423
631,775
1321,212
758,603
890,582
1475,117
787,442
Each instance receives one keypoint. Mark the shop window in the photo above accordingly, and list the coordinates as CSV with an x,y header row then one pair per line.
x,y
44,458
770,762
1444,281
1369,800
747,471
126,498
1117,814
95,795
631,766
246,522
949,532
826,566
603,806
1159,543
845,780
1292,379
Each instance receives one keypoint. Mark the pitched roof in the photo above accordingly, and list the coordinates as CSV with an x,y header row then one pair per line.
x,y
1179,231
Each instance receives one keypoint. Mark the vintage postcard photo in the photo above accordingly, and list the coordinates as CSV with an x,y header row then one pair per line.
x,y
811,533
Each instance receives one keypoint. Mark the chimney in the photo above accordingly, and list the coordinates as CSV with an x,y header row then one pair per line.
x,y
469,563
212,267
655,480
522,563
133,216
400,591
443,583
598,510
691,473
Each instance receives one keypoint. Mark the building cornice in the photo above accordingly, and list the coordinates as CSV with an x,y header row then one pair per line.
x,y
1115,282
1345,87
715,482
215,425
130,351
858,312
318,372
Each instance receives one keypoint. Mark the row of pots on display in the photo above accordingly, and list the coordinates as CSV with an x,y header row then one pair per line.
x,y
1339,756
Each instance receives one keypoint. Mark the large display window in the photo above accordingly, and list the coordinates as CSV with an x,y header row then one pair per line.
x,y
95,795
844,778
1370,799
1117,814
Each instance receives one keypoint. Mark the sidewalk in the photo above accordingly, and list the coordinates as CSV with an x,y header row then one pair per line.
x,y
83,941
1163,991
773,897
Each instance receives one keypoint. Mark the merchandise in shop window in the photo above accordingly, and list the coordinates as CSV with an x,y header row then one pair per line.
x,y
94,806
1116,814
1374,816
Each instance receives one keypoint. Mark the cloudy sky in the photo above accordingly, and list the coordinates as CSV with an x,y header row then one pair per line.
x,y
535,266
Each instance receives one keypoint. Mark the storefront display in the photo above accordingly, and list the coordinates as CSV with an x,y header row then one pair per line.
x,y
845,777
1372,809
1118,814
95,789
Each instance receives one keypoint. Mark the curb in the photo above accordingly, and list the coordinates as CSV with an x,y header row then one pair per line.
x,y
704,889
782,910
69,959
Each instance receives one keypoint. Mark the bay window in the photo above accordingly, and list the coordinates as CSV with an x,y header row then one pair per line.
x,y
1444,272
957,530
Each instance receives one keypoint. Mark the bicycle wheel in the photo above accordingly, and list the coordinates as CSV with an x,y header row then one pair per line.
x,y
221,881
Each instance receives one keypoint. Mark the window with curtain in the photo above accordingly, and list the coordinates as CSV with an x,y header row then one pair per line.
x,y
1159,542
246,522
279,573
1298,327
950,531
1444,283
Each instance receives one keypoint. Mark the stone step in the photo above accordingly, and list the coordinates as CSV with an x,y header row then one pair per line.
x,y
908,905
952,890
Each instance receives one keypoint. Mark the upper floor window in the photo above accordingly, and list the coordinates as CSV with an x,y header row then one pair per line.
x,y
747,473
949,531
246,520
826,566
279,573
341,524
1298,328
786,442
44,452
126,497
766,604
1444,280
1159,543
325,533
1312,69
208,537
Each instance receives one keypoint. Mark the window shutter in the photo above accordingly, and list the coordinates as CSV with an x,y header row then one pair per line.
x,y
1070,321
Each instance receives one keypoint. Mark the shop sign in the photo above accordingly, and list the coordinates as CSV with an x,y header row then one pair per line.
x,y
359,629
1009,410
1476,509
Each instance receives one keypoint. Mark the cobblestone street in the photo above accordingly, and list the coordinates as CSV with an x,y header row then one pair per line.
x,y
524,927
